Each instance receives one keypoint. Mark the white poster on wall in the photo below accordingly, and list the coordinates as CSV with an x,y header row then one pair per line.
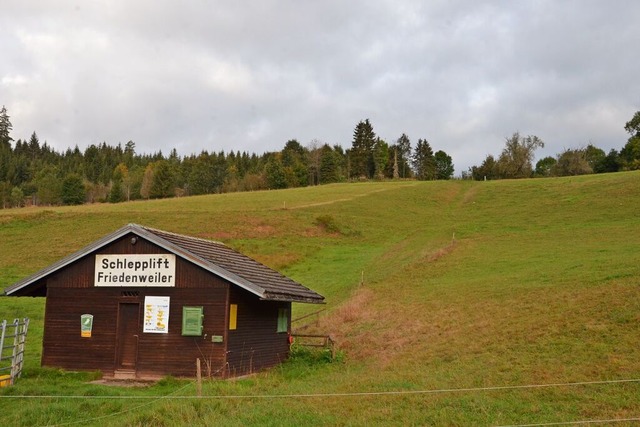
x,y
156,315
135,270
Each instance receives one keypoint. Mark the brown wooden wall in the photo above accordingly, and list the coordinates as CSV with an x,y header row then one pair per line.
x,y
70,293
80,274
255,344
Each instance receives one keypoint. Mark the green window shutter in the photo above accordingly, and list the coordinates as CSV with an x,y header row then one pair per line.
x,y
192,321
283,320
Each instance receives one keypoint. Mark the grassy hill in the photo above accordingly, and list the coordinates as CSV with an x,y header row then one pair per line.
x,y
454,295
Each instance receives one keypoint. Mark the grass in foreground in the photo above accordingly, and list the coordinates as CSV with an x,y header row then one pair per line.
x,y
466,286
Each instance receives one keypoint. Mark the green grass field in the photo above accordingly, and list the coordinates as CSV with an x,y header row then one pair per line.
x,y
449,302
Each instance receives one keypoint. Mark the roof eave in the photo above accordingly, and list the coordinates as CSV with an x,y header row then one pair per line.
x,y
150,236
292,298
68,259
190,256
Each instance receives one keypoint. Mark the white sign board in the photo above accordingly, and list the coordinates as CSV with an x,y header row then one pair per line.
x,y
135,270
156,315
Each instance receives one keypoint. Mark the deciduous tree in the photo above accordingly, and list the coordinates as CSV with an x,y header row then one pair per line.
x,y
487,170
404,152
49,186
147,181
611,162
595,157
380,158
544,167
444,165
630,153
572,162
633,125
17,197
517,156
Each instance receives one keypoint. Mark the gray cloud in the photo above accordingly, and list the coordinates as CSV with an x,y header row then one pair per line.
x,y
199,75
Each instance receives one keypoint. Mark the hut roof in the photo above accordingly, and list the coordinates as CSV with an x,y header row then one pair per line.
x,y
213,256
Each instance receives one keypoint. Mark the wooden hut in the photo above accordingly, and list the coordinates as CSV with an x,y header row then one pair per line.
x,y
142,303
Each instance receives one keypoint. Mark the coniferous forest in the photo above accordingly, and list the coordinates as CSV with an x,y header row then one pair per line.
x,y
33,173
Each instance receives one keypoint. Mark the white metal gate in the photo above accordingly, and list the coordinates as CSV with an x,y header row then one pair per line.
x,y
12,340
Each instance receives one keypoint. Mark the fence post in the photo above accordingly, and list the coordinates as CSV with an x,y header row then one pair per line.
x,y
4,327
14,351
4,379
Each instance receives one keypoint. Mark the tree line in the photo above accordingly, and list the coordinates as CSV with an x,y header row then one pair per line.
x,y
516,159
33,173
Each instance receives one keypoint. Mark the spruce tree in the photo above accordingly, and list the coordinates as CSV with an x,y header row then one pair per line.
x,y
73,192
423,161
5,144
162,184
5,129
116,192
275,173
362,151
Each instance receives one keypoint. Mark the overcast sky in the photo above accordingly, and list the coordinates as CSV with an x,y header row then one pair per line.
x,y
238,75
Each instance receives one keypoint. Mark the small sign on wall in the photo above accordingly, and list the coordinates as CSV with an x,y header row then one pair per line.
x,y
156,315
86,325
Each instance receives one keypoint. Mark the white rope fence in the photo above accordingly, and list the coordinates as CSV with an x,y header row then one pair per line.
x,y
342,394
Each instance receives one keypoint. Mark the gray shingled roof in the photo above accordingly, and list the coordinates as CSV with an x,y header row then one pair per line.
x,y
213,256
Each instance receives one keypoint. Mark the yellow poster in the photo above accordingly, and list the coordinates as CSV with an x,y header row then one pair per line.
x,y
156,315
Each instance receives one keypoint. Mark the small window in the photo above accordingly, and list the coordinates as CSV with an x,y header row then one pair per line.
x,y
233,317
283,320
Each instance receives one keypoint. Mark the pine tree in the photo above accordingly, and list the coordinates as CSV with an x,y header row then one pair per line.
x,y
424,161
275,173
73,192
5,129
5,145
294,158
115,194
163,181
361,155
330,169
34,147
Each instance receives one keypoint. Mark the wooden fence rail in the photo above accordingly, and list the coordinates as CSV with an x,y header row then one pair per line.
x,y
315,313
12,341
313,340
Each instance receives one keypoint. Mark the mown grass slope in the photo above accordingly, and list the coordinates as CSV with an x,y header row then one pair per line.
x,y
429,285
